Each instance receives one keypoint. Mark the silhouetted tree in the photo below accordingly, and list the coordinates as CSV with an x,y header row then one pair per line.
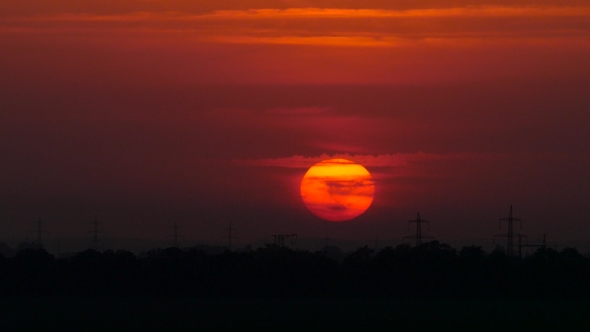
x,y
333,252
32,272
6,251
431,270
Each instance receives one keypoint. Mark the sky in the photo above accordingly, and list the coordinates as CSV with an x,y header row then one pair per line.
x,y
149,113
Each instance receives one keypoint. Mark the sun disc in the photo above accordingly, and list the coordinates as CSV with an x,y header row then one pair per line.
x,y
337,189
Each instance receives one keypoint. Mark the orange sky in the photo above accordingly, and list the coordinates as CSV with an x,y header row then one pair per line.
x,y
306,43
212,110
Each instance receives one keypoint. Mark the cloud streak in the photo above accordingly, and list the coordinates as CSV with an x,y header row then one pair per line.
x,y
287,43
334,26
370,161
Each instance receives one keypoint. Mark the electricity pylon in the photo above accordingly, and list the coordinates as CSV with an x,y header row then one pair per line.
x,y
520,245
229,236
175,235
95,241
510,234
418,235
39,231
280,239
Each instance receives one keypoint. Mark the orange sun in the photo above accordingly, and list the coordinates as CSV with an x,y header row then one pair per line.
x,y
337,189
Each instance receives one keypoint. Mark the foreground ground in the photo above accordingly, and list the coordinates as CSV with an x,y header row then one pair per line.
x,y
185,314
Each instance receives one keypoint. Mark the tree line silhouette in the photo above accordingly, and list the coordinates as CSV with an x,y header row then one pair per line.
x,y
431,270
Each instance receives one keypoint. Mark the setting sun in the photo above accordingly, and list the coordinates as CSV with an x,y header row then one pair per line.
x,y
337,189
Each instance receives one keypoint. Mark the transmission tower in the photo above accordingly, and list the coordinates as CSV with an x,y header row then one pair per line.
x,y
510,235
96,244
39,231
280,239
418,235
58,242
229,236
175,236
520,245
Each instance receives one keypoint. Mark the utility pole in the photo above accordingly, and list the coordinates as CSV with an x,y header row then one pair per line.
x,y
39,232
230,237
95,241
510,235
418,235
280,239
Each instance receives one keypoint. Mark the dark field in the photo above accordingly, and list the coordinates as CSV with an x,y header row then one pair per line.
x,y
432,287
176,314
